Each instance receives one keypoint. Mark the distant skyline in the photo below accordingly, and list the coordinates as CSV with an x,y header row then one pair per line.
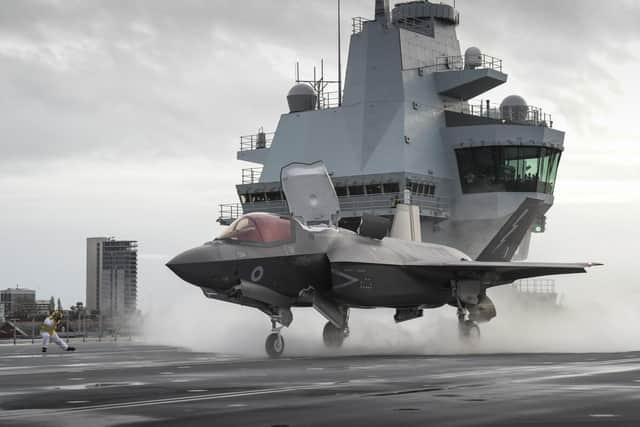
x,y
123,118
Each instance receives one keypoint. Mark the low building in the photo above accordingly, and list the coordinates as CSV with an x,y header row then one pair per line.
x,y
38,309
16,299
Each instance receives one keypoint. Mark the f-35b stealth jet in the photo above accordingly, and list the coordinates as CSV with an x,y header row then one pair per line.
x,y
274,263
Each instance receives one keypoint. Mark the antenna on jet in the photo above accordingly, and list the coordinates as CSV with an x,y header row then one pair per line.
x,y
382,11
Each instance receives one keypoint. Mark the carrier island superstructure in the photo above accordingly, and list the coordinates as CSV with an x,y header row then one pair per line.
x,y
406,132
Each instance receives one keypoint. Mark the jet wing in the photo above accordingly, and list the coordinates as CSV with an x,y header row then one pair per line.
x,y
495,273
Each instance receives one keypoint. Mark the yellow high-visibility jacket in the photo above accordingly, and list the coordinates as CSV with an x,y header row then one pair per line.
x,y
49,325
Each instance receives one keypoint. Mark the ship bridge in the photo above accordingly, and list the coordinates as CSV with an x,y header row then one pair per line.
x,y
412,125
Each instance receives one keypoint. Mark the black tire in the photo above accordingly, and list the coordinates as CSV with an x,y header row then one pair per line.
x,y
274,345
333,336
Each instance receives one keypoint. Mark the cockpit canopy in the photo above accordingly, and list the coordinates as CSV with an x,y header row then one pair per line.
x,y
259,228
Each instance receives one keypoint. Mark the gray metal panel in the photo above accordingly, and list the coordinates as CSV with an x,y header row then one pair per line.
x,y
466,84
503,134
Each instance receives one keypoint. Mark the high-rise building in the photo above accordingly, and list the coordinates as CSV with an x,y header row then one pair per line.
x,y
112,275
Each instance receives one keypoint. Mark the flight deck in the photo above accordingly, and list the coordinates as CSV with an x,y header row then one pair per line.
x,y
133,383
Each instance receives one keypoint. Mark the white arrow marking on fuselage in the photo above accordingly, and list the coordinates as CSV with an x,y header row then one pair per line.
x,y
350,279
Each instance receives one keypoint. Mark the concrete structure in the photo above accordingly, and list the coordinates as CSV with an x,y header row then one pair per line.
x,y
17,300
111,276
38,309
408,121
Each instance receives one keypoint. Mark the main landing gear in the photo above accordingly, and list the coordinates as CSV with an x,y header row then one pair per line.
x,y
468,330
333,336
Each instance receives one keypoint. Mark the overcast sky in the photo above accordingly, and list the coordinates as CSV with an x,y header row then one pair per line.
x,y
123,118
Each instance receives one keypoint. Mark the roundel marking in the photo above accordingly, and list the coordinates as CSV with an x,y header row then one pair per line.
x,y
257,273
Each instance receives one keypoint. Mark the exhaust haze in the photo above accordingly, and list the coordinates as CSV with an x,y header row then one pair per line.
x,y
598,312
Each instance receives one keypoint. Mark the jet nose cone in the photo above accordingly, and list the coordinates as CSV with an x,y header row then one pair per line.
x,y
191,264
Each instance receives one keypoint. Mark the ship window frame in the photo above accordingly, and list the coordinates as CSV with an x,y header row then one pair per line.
x,y
508,168
341,190
385,187
276,199
375,188
356,186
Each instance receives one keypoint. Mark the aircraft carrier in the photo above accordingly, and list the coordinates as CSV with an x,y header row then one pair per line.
x,y
405,129
130,383
412,125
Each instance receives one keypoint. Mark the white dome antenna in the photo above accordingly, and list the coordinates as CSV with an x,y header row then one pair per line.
x,y
472,58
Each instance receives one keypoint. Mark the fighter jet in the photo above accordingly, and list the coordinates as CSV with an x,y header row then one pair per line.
x,y
273,263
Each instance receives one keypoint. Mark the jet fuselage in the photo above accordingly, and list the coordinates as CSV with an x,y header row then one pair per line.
x,y
354,270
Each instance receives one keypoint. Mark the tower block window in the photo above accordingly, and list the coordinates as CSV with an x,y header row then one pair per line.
x,y
508,168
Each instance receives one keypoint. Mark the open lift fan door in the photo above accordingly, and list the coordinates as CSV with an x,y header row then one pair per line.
x,y
310,193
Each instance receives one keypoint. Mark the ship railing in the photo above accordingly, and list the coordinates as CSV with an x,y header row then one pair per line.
x,y
278,207
457,63
256,141
535,286
429,205
229,212
357,24
329,100
434,204
251,175
518,114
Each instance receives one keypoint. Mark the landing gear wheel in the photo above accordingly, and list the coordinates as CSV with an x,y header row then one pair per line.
x,y
333,336
274,345
469,330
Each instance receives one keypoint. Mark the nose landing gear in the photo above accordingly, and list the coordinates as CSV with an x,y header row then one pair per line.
x,y
274,344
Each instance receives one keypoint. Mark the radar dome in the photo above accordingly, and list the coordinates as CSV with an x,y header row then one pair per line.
x,y
301,97
472,58
514,108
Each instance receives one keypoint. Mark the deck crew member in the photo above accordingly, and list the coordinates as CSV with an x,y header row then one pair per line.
x,y
48,332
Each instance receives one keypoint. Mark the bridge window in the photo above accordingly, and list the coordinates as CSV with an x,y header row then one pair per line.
x,y
273,195
341,191
257,197
374,189
392,187
356,190
508,168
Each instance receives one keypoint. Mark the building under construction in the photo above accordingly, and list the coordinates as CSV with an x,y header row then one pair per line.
x,y
112,276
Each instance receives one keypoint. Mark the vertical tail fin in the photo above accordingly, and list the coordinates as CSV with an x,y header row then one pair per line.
x,y
505,243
